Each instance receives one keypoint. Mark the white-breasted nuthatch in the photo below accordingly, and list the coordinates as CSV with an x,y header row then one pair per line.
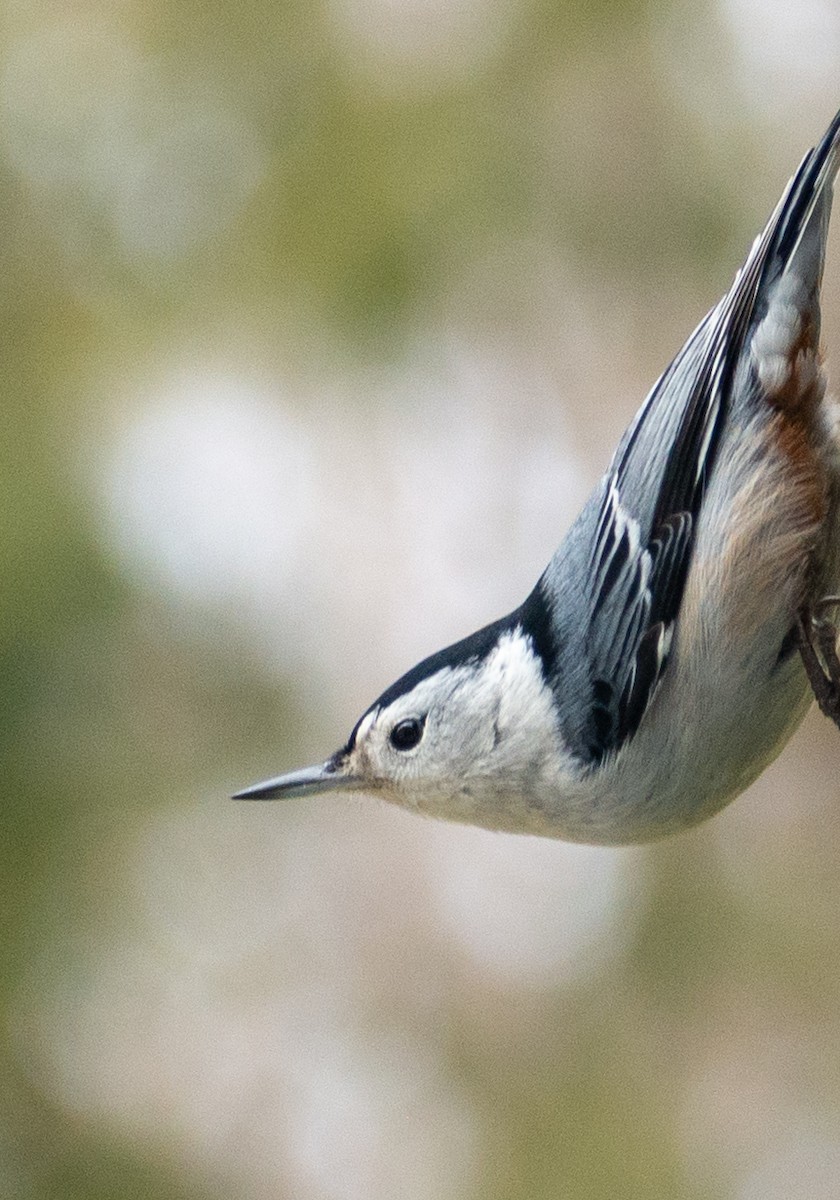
x,y
655,669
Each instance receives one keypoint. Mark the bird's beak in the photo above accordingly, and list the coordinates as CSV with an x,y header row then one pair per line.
x,y
311,781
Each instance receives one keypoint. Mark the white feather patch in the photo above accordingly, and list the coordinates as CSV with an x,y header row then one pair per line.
x,y
775,341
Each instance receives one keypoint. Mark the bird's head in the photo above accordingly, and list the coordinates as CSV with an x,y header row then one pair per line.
x,y
464,735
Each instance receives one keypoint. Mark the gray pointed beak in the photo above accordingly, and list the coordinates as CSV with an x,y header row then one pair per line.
x,y
311,781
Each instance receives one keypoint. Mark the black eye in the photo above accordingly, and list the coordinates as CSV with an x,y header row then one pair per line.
x,y
406,734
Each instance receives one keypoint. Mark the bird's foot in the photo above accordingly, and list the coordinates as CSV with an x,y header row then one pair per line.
x,y
817,638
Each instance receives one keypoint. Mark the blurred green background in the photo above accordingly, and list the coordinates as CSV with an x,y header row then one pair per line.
x,y
318,320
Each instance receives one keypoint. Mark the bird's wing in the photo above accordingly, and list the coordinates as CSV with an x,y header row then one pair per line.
x,y
653,493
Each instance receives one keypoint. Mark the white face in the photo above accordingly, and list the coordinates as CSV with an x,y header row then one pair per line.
x,y
462,738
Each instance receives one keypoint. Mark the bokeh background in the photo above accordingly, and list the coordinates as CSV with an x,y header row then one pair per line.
x,y
318,320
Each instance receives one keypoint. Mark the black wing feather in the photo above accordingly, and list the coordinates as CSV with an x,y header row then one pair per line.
x,y
653,495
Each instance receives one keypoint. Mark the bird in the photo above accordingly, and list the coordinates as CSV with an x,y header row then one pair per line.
x,y
680,632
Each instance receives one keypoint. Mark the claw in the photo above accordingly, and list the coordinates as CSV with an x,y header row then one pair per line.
x,y
817,639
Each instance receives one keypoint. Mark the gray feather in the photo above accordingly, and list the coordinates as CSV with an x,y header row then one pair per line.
x,y
614,588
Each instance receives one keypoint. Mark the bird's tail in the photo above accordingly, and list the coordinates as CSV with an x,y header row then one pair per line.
x,y
789,256
799,225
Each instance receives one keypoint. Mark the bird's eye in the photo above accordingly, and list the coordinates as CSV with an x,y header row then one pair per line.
x,y
406,734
